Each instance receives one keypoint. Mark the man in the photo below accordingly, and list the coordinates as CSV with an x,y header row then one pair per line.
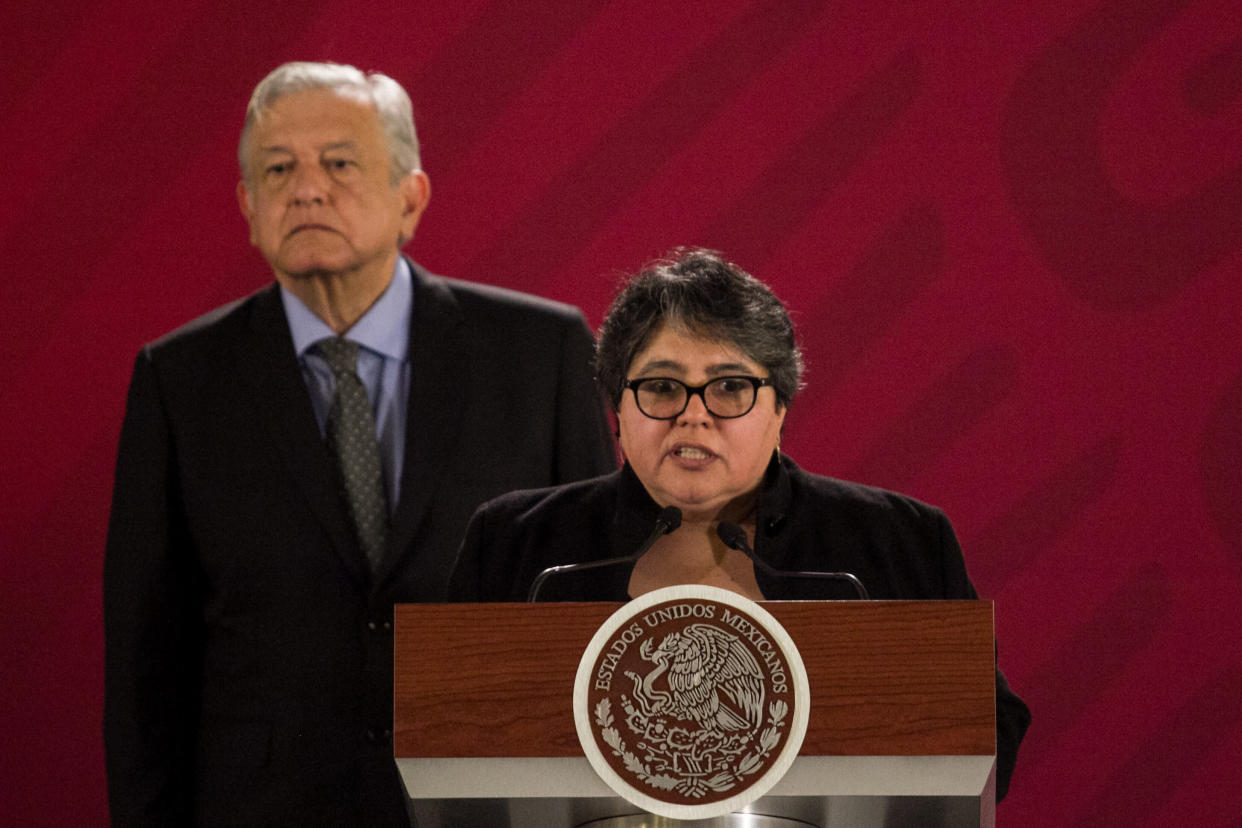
x,y
279,487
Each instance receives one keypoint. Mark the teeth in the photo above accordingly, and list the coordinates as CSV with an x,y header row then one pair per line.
x,y
692,453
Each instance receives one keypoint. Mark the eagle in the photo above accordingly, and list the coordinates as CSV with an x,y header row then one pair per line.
x,y
712,680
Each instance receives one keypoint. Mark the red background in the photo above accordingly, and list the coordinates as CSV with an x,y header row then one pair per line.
x,y
1010,233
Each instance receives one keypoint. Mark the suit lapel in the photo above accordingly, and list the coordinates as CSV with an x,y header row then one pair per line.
x,y
439,365
268,366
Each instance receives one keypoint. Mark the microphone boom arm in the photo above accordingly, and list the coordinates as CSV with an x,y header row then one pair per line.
x,y
734,537
668,520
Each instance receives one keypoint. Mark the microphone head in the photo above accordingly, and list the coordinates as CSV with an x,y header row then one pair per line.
x,y
733,535
670,516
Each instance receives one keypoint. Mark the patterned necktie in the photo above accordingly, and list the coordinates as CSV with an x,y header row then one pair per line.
x,y
352,440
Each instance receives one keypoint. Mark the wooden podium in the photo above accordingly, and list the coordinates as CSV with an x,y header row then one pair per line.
x,y
902,727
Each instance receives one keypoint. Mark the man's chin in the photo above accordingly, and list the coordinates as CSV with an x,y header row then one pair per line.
x,y
311,255
309,274
301,268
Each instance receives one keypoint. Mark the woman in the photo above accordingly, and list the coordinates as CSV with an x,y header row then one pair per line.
x,y
699,362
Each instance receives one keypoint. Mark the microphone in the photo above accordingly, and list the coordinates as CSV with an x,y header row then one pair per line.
x,y
668,520
734,537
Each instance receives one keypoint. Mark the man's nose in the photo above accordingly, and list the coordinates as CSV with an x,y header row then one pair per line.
x,y
310,184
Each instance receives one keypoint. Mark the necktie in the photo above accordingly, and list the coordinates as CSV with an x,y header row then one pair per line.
x,y
352,440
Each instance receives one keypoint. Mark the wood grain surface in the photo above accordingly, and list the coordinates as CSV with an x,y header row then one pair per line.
x,y
901,678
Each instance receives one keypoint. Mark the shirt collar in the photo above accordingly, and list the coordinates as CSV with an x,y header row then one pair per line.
x,y
384,328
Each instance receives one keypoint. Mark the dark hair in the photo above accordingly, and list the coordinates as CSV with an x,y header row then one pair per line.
x,y
709,297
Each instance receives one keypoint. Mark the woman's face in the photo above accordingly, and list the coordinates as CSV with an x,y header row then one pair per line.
x,y
700,463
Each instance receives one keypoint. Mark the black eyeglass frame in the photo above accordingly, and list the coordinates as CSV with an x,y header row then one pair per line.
x,y
701,392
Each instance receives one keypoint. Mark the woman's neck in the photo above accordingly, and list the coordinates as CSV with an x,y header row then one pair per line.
x,y
695,554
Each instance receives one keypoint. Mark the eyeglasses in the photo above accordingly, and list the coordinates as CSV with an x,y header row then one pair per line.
x,y
664,398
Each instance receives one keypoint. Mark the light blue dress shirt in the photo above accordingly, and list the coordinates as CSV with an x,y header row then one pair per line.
x,y
383,334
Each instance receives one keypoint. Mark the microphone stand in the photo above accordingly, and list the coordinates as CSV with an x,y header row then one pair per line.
x,y
668,520
734,537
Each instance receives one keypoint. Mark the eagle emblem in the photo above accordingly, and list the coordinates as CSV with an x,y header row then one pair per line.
x,y
689,702
711,678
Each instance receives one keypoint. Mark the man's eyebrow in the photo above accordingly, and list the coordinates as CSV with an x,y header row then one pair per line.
x,y
335,145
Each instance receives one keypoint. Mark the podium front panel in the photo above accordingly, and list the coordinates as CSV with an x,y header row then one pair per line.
x,y
902,713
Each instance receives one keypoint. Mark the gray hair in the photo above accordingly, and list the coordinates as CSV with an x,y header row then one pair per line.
x,y
698,290
392,104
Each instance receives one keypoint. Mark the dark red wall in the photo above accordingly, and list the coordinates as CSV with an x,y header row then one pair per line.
x,y
1011,234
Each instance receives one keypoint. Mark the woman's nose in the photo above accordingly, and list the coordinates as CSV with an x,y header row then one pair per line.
x,y
696,409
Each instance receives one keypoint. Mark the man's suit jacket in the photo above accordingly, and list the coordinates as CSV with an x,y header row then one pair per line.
x,y
248,646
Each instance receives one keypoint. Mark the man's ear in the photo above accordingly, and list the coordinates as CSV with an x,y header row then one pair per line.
x,y
247,209
415,190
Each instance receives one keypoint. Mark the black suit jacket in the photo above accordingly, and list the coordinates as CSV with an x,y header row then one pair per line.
x,y
248,647
900,548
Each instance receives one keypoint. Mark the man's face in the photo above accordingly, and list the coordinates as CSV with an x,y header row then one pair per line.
x,y
317,191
